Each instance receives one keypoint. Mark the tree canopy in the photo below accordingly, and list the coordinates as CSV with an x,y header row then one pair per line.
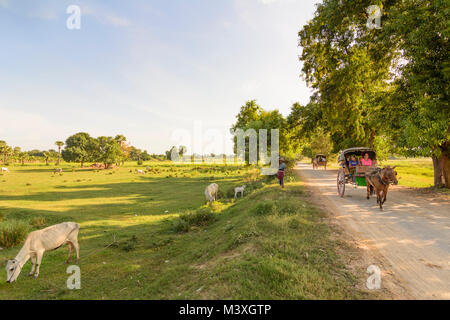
x,y
376,85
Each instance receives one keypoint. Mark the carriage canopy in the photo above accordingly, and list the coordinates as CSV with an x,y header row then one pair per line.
x,y
358,151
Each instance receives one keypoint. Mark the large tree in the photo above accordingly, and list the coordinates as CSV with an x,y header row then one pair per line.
x,y
122,140
393,81
252,116
80,147
346,71
108,151
419,101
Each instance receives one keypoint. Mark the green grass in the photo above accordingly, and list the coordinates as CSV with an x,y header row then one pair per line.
x,y
413,172
237,250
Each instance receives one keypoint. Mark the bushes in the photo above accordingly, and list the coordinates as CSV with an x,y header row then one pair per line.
x,y
37,222
13,232
279,207
180,226
229,193
200,218
263,208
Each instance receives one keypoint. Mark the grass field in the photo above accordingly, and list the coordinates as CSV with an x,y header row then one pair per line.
x,y
270,245
414,172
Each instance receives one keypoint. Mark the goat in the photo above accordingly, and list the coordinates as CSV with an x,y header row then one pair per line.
x,y
239,190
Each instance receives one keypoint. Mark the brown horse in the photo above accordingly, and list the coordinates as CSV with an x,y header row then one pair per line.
x,y
315,164
319,162
380,180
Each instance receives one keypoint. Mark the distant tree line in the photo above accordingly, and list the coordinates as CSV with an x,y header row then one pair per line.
x,y
80,148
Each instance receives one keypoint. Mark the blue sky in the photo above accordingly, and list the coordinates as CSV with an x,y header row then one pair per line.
x,y
145,69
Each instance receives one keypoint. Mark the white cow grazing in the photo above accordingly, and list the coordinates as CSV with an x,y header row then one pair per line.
x,y
40,241
5,169
58,170
238,190
139,171
211,192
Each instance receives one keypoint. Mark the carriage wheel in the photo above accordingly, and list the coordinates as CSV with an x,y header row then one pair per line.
x,y
341,182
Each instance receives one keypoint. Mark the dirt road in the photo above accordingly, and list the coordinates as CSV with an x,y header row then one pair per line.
x,y
412,233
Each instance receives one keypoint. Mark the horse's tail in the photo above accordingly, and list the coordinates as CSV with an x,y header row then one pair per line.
x,y
371,189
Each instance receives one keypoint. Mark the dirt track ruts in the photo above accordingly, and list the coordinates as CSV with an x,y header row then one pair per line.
x,y
412,233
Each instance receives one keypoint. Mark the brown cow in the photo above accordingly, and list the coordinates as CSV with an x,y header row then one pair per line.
x,y
379,180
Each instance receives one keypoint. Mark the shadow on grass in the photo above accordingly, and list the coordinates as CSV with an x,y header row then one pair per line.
x,y
150,196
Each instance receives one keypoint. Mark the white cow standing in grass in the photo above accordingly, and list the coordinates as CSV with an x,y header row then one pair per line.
x,y
238,190
139,171
5,169
211,192
38,242
58,170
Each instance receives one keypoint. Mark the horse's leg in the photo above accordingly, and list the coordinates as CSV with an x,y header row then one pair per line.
x,y
381,199
368,189
385,194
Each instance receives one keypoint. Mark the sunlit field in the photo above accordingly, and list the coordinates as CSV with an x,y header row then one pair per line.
x,y
413,172
270,245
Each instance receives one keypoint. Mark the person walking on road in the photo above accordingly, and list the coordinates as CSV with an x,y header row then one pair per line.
x,y
280,174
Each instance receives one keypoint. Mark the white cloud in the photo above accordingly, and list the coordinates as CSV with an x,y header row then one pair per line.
x,y
105,16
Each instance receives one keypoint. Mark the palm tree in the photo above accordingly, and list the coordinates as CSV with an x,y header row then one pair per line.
x,y
5,150
59,144
46,156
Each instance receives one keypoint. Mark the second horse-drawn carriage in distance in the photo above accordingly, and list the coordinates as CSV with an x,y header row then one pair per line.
x,y
319,160
354,163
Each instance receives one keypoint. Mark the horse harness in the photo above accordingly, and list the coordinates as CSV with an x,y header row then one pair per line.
x,y
376,173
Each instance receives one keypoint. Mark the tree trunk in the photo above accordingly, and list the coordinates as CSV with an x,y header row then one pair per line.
x,y
46,161
444,166
371,139
441,167
437,172
82,164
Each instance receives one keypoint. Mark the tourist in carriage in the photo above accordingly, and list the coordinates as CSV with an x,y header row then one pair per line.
x,y
352,164
366,161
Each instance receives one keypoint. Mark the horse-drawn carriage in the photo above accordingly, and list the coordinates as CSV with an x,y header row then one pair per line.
x,y
354,174
358,166
319,160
